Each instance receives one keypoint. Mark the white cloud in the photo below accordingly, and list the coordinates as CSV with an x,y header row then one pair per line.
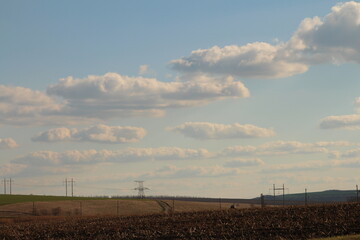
x,y
6,143
344,121
143,69
113,95
55,135
95,98
281,148
10,169
76,157
335,144
20,106
352,163
298,167
191,171
206,130
349,122
99,133
146,70
333,39
238,163
353,153
254,60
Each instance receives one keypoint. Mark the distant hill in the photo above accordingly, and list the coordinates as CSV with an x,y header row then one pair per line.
x,y
327,196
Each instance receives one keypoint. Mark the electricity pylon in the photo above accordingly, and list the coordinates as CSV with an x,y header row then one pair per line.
x,y
141,189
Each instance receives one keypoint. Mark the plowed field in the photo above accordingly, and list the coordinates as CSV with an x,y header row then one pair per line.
x,y
268,223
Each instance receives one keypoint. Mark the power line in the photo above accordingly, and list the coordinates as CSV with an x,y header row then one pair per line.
x,y
6,182
72,186
66,187
283,195
10,182
141,189
37,185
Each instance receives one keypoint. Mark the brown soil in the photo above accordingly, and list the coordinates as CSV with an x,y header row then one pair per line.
x,y
84,208
188,206
108,207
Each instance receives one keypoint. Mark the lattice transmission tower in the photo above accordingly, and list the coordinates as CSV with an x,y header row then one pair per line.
x,y
141,189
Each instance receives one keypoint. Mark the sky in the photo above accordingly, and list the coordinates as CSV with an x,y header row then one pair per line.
x,y
195,98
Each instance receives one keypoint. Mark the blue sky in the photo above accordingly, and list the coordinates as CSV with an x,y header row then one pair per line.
x,y
196,98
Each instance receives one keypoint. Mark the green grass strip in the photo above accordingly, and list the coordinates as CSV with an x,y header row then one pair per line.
x,y
10,199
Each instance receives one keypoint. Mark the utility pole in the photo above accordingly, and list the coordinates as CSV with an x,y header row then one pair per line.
x,y
4,181
67,182
306,197
262,201
72,187
357,193
66,187
274,192
283,188
10,182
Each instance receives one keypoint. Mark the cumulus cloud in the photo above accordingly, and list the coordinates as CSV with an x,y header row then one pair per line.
x,y
353,163
116,95
75,157
312,165
238,163
99,133
192,171
349,122
10,169
143,69
7,143
343,121
146,70
254,60
299,167
333,39
94,98
206,130
282,148
353,153
20,105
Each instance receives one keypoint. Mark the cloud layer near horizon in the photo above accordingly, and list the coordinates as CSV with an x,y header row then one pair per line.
x,y
333,39
207,130
100,133
65,161
49,162
76,157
